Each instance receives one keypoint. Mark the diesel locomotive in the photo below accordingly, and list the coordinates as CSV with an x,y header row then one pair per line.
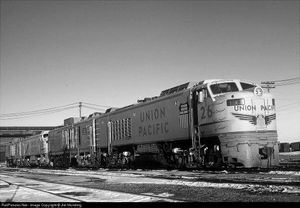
x,y
212,123
29,152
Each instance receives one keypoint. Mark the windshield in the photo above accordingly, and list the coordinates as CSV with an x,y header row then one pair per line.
x,y
223,88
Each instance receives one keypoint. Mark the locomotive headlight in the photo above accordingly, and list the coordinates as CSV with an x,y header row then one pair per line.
x,y
258,91
233,102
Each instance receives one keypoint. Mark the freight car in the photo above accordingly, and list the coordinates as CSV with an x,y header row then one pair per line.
x,y
295,146
284,147
205,124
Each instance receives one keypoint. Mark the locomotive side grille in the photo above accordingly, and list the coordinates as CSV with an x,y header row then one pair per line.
x,y
121,129
125,128
129,127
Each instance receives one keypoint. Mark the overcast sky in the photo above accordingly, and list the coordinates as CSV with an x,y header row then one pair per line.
x,y
113,53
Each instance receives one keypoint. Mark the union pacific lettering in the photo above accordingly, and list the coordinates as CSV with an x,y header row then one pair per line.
x,y
267,107
154,124
253,108
152,114
154,129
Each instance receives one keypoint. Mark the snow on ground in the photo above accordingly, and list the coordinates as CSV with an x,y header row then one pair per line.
x,y
28,190
296,173
290,153
119,177
248,187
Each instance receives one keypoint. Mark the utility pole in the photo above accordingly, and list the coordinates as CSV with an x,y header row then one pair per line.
x,y
80,105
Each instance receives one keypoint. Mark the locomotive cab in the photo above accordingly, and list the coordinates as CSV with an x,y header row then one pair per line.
x,y
219,88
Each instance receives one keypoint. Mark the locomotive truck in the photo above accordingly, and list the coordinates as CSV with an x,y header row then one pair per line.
x,y
211,123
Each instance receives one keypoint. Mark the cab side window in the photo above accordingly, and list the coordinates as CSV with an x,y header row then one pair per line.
x,y
247,85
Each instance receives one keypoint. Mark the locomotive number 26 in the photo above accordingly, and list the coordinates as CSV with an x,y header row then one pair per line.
x,y
204,112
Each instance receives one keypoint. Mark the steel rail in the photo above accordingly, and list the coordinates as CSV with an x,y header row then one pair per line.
x,y
60,195
36,189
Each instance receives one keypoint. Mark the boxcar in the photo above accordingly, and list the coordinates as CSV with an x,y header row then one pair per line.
x,y
295,146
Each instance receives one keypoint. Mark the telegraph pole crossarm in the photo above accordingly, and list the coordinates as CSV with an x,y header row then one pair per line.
x,y
268,85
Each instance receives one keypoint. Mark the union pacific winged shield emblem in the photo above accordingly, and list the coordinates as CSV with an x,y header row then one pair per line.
x,y
270,118
253,119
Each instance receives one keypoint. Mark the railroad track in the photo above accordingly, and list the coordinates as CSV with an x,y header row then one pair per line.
x,y
25,188
240,176
59,192
291,165
139,186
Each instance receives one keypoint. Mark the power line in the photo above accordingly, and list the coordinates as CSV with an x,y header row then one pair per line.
x,y
287,112
93,108
104,106
284,80
40,113
29,114
287,107
290,106
293,103
37,111
288,83
36,114
287,99
276,83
